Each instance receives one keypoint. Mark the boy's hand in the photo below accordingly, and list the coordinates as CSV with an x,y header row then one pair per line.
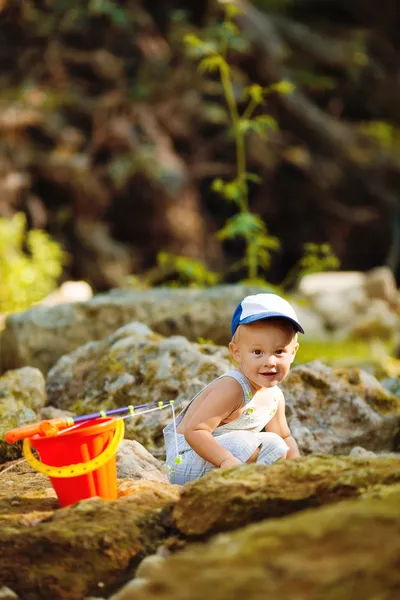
x,y
230,462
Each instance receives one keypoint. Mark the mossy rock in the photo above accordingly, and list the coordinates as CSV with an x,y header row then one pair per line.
x,y
331,410
134,366
80,550
22,394
229,499
340,552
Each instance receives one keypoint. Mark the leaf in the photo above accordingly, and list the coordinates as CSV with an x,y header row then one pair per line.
x,y
217,185
266,122
253,177
232,191
186,270
192,40
255,92
232,10
241,225
259,124
283,87
229,29
212,64
244,125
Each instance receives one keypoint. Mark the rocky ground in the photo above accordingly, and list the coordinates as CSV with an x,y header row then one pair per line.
x,y
297,528
325,525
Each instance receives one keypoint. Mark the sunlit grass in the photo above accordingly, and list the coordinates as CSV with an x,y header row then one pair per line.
x,y
351,352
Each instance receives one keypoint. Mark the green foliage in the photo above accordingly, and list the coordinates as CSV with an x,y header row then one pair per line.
x,y
109,8
183,271
212,55
371,355
205,342
381,131
78,11
314,81
30,264
316,258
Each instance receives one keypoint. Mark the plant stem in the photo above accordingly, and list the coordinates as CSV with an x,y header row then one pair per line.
x,y
239,137
249,109
251,259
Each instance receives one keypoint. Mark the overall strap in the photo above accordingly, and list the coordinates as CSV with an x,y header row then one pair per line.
x,y
240,378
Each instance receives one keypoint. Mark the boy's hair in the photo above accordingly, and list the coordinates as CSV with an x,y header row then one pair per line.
x,y
264,306
235,337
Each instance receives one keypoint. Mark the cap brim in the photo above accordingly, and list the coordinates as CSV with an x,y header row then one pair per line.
x,y
271,315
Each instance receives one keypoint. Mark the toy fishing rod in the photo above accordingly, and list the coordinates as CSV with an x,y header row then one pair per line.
x,y
51,427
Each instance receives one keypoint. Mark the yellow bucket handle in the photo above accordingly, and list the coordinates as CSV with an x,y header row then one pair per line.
x,y
80,468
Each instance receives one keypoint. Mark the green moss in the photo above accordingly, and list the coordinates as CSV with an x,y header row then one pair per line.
x,y
384,402
332,352
336,553
314,379
228,499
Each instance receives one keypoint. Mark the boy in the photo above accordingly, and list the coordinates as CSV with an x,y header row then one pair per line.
x,y
240,417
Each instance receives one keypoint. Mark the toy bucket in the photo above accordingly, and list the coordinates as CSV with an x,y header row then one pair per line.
x,y
80,461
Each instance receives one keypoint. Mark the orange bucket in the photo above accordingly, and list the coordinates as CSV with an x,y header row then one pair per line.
x,y
70,450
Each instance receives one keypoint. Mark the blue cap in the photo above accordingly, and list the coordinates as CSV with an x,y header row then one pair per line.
x,y
264,306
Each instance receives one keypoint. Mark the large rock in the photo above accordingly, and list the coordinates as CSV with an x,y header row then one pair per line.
x,y
344,552
22,394
135,366
135,462
40,335
332,410
354,304
69,553
229,499
329,410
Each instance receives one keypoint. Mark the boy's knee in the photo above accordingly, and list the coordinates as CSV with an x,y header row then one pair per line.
x,y
273,448
277,442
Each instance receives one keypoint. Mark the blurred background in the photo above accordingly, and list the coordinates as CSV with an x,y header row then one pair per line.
x,y
181,143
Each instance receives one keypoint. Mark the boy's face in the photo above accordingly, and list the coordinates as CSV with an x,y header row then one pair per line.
x,y
265,350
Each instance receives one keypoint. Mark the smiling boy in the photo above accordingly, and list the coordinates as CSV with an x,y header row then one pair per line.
x,y
240,417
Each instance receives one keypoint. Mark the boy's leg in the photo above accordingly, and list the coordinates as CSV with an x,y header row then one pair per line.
x,y
253,458
273,448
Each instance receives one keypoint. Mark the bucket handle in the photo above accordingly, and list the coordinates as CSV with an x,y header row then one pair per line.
x,y
80,468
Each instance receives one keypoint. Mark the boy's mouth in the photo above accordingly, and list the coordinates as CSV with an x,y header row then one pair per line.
x,y
269,374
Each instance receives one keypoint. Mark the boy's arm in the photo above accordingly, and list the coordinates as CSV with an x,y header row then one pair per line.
x,y
226,397
278,424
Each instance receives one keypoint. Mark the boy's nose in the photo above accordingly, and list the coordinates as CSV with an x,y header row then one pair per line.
x,y
270,361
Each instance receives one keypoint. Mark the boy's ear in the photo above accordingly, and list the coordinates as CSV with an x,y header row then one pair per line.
x,y
234,351
294,352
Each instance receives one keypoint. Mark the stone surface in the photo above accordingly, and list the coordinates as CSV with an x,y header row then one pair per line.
x,y
340,552
41,335
355,304
334,281
380,283
7,594
93,547
392,385
22,394
332,410
361,452
229,499
69,291
135,366
135,462
329,410
82,549
375,321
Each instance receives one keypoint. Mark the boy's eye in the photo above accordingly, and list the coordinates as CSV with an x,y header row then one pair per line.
x,y
257,352
279,352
